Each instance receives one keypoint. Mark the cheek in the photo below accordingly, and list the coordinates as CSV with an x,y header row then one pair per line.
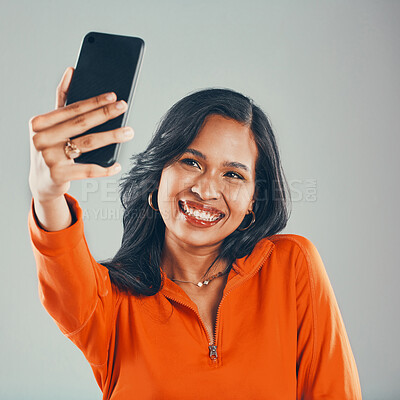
x,y
165,190
164,199
173,181
240,196
171,184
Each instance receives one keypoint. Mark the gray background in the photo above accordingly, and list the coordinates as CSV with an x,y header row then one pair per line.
x,y
327,75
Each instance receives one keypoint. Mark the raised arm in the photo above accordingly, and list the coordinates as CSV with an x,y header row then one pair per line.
x,y
73,287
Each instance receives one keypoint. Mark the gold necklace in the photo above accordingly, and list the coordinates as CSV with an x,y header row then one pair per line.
x,y
207,281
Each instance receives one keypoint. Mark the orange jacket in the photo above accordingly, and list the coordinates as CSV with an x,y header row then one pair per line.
x,y
279,333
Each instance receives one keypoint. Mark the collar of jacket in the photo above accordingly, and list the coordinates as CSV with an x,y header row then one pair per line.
x,y
242,269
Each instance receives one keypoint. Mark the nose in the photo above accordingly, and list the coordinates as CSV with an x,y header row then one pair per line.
x,y
206,188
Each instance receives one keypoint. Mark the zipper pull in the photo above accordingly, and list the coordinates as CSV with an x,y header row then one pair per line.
x,y
213,352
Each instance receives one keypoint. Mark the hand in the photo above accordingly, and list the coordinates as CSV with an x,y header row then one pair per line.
x,y
51,170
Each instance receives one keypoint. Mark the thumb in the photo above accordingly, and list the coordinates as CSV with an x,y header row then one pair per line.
x,y
63,86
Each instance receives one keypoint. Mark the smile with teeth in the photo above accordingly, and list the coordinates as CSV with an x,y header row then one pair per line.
x,y
202,215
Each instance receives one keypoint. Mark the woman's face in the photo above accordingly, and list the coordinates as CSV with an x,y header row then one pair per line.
x,y
204,195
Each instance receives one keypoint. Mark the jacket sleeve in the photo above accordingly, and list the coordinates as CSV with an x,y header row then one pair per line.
x,y
74,289
326,368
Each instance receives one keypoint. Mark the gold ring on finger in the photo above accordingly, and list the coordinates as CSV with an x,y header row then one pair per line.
x,y
71,150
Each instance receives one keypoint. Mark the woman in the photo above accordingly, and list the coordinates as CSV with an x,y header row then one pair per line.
x,y
204,299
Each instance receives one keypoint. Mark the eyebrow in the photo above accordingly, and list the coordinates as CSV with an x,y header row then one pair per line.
x,y
232,164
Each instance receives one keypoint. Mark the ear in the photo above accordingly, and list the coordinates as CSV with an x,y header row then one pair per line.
x,y
251,206
253,199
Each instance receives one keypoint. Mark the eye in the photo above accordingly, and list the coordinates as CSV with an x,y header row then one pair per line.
x,y
190,162
234,175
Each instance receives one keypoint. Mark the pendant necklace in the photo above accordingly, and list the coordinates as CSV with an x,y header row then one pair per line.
x,y
207,281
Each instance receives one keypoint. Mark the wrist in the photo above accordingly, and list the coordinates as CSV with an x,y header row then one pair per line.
x,y
48,201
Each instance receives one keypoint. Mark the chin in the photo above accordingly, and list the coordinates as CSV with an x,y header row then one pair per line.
x,y
201,242
195,237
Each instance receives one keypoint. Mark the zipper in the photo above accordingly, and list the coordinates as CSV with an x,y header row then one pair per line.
x,y
212,342
195,311
213,349
213,353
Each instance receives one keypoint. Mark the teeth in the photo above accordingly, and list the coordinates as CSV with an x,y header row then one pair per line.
x,y
200,214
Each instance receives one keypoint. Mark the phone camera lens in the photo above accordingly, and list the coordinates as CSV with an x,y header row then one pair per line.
x,y
91,39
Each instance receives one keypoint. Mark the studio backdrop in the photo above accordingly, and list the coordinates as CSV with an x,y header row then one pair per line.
x,y
327,75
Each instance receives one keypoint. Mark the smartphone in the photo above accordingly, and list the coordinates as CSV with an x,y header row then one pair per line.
x,y
106,63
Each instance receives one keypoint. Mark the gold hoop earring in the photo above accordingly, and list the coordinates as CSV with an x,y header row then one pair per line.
x,y
253,219
150,201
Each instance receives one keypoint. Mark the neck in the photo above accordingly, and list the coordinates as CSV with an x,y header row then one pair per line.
x,y
183,262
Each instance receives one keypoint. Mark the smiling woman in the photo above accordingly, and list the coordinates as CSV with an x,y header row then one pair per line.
x,y
204,299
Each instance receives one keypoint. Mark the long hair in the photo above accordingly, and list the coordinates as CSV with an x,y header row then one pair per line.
x,y
135,269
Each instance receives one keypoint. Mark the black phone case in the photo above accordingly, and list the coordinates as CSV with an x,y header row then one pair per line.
x,y
106,63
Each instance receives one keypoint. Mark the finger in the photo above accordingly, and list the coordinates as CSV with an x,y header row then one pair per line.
x,y
101,139
55,154
60,133
63,86
70,172
45,121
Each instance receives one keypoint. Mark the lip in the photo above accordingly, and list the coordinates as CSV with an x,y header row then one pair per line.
x,y
197,222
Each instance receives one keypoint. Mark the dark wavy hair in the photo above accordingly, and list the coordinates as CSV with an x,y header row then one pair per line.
x,y
135,269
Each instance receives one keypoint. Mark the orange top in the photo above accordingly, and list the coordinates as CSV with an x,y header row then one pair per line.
x,y
279,333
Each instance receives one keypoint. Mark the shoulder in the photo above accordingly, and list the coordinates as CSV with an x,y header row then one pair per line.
x,y
292,242
290,252
290,239
300,251
308,262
